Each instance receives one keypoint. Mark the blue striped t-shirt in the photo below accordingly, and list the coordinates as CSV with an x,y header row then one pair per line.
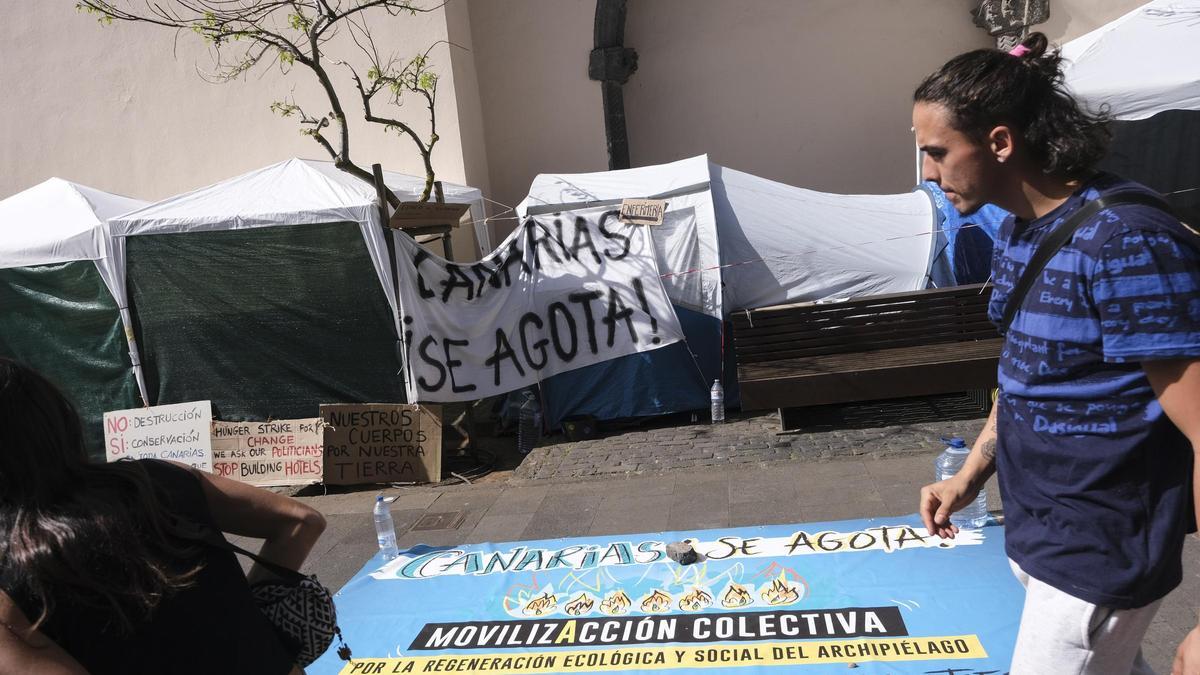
x,y
1095,477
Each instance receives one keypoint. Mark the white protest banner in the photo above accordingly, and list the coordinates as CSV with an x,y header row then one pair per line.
x,y
178,432
279,452
562,292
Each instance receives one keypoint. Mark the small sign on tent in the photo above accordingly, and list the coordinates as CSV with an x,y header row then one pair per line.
x,y
382,443
643,211
279,452
424,214
178,432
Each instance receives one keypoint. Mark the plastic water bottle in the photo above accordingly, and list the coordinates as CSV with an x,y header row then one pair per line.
x,y
385,529
717,396
950,462
529,426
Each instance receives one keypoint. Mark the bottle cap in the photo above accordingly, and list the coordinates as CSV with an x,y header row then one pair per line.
x,y
378,498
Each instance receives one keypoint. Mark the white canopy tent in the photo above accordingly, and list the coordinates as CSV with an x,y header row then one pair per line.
x,y
60,293
292,192
58,221
1143,69
734,241
731,241
294,261
1144,63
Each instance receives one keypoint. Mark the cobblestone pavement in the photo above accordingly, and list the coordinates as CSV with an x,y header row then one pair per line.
x,y
744,440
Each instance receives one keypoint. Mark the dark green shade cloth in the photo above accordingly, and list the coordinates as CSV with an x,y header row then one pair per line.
x,y
61,320
267,323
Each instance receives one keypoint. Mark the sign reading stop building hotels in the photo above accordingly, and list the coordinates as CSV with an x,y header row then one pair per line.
x,y
178,432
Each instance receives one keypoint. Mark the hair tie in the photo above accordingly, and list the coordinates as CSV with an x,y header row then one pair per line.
x,y
1019,51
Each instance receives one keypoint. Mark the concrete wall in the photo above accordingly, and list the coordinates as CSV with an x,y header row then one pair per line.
x,y
123,108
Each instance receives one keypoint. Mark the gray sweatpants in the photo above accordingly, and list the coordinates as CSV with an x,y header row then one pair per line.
x,y
1063,635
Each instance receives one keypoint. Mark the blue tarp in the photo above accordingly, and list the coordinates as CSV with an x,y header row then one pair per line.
x,y
675,378
879,594
964,247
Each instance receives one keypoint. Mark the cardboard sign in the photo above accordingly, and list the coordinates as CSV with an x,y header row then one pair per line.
x,y
178,432
280,452
815,598
643,211
423,214
382,443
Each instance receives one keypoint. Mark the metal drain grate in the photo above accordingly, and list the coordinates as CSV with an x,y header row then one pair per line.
x,y
450,520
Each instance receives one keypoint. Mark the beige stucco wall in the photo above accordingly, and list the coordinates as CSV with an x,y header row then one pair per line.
x,y
810,92
123,108
541,113
815,94
1071,18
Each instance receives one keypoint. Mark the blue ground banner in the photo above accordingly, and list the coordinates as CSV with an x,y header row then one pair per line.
x,y
877,595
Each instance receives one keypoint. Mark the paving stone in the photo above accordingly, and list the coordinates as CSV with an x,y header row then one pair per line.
x,y
499,528
774,512
850,510
518,500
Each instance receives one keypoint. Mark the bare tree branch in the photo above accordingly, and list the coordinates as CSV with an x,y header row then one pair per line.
x,y
246,33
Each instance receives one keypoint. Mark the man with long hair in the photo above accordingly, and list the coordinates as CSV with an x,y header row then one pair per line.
x,y
1095,429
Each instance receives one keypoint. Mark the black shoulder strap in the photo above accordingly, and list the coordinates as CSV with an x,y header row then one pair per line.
x,y
217,541
1062,234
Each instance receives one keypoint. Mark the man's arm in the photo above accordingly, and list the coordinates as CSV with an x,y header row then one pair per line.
x,y
939,500
1176,383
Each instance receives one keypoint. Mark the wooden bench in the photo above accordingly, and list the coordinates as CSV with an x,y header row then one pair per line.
x,y
917,343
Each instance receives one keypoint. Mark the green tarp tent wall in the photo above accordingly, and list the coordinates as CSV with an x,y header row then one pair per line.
x,y
60,307
268,293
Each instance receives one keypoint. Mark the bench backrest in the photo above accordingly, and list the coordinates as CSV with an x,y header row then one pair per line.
x,y
894,320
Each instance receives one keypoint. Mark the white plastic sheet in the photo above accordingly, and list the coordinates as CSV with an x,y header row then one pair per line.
x,y
1141,64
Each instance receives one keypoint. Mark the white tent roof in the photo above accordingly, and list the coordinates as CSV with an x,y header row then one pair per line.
x,y
1141,64
295,191
737,241
57,221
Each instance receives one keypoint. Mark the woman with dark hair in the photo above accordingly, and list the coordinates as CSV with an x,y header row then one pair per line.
x,y
103,568
1097,424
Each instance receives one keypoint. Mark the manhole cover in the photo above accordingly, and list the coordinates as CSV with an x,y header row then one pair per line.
x,y
449,520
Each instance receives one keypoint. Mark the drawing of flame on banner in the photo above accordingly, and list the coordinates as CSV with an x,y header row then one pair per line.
x,y
656,602
781,592
616,603
695,601
541,605
580,605
735,596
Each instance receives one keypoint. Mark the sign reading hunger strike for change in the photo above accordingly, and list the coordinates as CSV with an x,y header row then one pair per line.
x,y
278,452
562,292
178,432
805,598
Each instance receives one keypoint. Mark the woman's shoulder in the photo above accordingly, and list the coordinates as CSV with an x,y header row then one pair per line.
x,y
179,488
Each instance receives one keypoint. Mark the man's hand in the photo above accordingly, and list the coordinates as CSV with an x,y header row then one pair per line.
x,y
939,500
1187,657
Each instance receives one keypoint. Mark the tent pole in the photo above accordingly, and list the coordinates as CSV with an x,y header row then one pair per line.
x,y
917,150
381,194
